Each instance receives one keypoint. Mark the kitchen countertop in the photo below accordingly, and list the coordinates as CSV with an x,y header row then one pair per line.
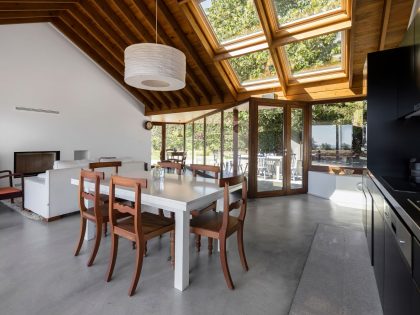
x,y
398,201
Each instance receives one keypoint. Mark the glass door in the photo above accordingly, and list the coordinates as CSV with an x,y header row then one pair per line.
x,y
278,148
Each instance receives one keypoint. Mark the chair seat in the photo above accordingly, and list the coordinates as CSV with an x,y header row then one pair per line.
x,y
152,225
9,190
209,224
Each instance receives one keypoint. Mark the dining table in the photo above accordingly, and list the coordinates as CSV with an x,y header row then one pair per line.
x,y
176,193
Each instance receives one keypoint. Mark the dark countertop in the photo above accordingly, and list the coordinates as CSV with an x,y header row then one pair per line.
x,y
398,201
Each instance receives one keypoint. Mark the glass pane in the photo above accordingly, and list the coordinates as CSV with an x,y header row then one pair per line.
x,y
227,166
339,134
254,67
231,19
199,141
296,145
315,54
243,134
213,139
189,142
270,148
174,139
290,11
156,143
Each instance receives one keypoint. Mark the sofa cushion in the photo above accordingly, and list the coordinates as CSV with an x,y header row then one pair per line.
x,y
71,164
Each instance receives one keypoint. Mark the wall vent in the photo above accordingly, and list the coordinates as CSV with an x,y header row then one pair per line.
x,y
38,110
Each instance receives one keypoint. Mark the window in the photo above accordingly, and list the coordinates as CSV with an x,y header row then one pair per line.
x,y
189,143
315,54
339,134
156,143
253,67
227,167
231,19
174,138
213,139
243,134
199,141
290,11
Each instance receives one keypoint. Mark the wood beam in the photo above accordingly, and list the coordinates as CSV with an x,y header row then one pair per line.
x,y
24,20
385,20
87,48
22,6
28,14
351,45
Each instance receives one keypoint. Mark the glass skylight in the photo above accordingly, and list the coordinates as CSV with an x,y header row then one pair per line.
x,y
315,54
290,11
231,19
253,67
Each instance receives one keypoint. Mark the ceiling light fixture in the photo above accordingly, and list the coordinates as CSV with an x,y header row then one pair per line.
x,y
153,66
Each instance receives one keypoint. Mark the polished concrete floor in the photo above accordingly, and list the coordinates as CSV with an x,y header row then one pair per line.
x,y
40,275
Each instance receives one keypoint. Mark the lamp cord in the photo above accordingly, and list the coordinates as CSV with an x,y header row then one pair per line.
x,y
156,25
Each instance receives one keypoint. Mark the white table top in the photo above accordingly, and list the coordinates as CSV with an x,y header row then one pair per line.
x,y
171,192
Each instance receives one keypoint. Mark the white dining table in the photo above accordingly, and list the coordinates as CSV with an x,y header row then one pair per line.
x,y
176,193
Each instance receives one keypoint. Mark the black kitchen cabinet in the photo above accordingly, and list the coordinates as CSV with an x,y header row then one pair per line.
x,y
368,217
408,79
379,249
398,288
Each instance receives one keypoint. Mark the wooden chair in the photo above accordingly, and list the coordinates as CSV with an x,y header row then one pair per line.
x,y
98,214
179,157
11,192
222,225
176,167
139,228
105,198
204,168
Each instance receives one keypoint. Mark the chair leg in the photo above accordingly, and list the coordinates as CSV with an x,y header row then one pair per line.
x,y
210,246
161,212
114,251
145,248
82,235
172,236
105,229
198,242
133,245
241,247
97,243
12,200
225,267
137,271
172,215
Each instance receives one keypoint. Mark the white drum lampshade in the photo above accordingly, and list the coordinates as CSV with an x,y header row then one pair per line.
x,y
154,67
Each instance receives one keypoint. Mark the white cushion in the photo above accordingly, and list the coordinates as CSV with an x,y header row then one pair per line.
x,y
71,164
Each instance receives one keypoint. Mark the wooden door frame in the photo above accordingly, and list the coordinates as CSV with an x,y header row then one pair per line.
x,y
253,146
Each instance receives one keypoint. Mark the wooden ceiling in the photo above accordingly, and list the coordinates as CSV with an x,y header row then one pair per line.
x,y
104,28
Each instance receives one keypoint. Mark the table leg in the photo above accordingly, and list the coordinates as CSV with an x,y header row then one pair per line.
x,y
182,250
90,226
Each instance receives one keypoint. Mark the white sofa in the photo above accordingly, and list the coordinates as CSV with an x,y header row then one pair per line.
x,y
51,194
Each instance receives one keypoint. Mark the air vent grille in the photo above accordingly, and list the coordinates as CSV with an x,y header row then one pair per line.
x,y
38,110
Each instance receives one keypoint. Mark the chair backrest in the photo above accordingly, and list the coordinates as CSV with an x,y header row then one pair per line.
x,y
115,164
205,168
95,177
238,204
172,165
116,207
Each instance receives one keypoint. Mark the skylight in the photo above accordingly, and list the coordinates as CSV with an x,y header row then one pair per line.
x,y
315,54
231,19
254,67
290,11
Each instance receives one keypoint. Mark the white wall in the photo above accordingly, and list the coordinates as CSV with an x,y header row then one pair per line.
x,y
40,68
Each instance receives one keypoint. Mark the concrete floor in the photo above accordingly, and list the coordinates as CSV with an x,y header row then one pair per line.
x,y
40,275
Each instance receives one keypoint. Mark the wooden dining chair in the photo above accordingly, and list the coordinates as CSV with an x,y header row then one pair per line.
x,y
222,225
105,198
177,167
10,191
97,214
202,169
139,227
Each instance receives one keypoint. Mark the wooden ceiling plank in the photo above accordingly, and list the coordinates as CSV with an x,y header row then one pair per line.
x,y
94,55
21,6
385,20
189,48
351,44
28,14
24,20
149,18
